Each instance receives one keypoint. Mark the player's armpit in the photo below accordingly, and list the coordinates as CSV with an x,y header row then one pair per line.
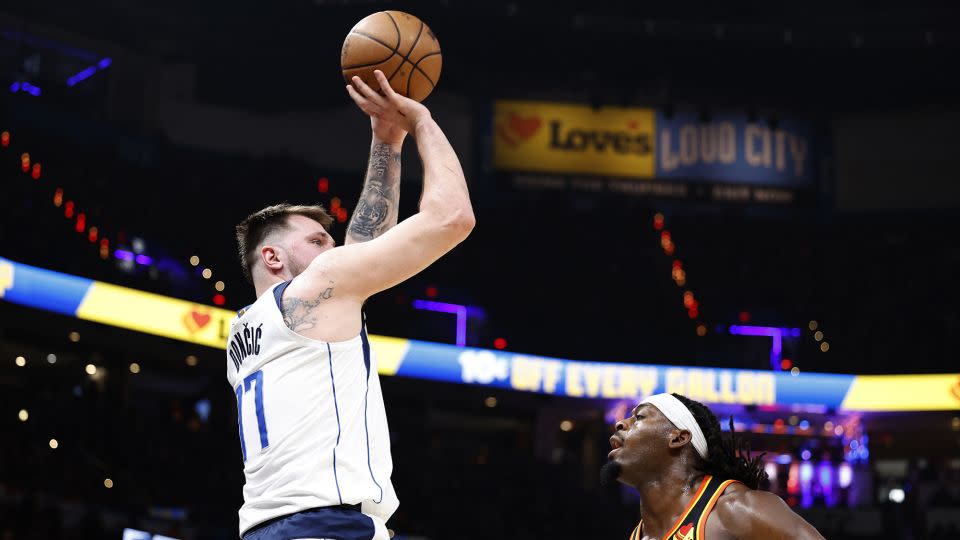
x,y
748,514
365,268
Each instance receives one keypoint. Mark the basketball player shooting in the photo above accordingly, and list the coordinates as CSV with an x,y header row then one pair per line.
x,y
313,430
693,484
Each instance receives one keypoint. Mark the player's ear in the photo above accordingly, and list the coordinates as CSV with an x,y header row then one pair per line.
x,y
270,256
679,437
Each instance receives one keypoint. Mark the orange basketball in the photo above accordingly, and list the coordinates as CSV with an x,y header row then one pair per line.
x,y
398,44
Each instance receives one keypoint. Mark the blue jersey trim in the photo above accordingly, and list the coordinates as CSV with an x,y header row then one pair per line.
x,y
337,409
366,430
278,293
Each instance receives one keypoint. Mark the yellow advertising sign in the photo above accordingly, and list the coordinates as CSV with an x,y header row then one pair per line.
x,y
559,138
904,393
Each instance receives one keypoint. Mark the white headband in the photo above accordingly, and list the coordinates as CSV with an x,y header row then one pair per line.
x,y
680,415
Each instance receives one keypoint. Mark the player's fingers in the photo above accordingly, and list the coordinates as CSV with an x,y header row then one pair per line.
x,y
385,85
367,92
364,104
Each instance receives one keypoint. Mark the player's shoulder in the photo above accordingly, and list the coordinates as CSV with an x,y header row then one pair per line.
x,y
740,507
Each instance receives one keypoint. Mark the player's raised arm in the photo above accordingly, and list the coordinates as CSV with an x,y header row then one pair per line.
x,y
444,220
378,207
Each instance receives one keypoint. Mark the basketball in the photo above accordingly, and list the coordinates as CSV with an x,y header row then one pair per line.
x,y
398,44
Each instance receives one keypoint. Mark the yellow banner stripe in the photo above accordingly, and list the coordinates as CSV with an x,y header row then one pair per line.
x,y
390,353
903,393
155,314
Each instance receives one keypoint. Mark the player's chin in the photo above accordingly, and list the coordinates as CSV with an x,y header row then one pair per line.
x,y
610,472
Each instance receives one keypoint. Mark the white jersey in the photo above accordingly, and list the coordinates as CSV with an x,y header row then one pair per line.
x,y
313,429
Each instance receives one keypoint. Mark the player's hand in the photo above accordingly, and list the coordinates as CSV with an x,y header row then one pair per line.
x,y
389,108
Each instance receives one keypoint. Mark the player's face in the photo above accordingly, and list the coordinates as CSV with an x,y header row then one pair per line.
x,y
304,240
639,439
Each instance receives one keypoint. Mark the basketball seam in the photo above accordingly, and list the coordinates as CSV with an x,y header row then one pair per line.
x,y
373,38
422,72
397,28
358,66
406,57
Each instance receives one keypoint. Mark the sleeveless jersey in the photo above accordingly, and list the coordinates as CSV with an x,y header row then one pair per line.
x,y
692,524
312,424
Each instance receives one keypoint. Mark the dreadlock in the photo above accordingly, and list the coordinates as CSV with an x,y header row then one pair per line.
x,y
727,459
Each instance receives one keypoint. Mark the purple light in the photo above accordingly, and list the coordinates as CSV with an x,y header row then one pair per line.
x,y
83,75
30,89
443,307
784,459
15,87
776,348
105,63
123,255
805,455
143,259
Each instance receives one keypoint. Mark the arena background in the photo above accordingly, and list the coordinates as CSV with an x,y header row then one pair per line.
x,y
751,204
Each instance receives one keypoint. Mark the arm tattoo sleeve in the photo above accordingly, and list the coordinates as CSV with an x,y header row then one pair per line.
x,y
377,210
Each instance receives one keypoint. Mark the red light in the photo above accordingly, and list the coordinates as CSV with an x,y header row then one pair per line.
x,y
58,197
219,299
341,214
334,204
668,249
68,210
5,138
786,364
744,316
104,248
81,222
778,423
677,265
36,171
25,161
432,292
693,313
665,236
658,221
93,234
323,185
500,343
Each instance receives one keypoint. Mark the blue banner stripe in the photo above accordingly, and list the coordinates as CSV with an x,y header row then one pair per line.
x,y
45,289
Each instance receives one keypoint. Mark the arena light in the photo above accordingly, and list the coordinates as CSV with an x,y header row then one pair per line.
x,y
776,349
23,415
21,361
5,139
442,307
844,475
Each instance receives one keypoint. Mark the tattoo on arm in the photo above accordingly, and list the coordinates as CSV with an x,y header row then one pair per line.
x,y
299,314
377,210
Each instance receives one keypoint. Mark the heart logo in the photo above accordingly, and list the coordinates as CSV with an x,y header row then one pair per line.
x,y
195,320
519,128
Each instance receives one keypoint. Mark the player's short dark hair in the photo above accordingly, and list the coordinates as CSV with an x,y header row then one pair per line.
x,y
257,226
728,457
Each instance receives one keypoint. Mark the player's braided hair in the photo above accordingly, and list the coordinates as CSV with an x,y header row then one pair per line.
x,y
728,457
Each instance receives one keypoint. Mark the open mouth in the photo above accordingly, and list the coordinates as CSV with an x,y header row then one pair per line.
x,y
615,444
